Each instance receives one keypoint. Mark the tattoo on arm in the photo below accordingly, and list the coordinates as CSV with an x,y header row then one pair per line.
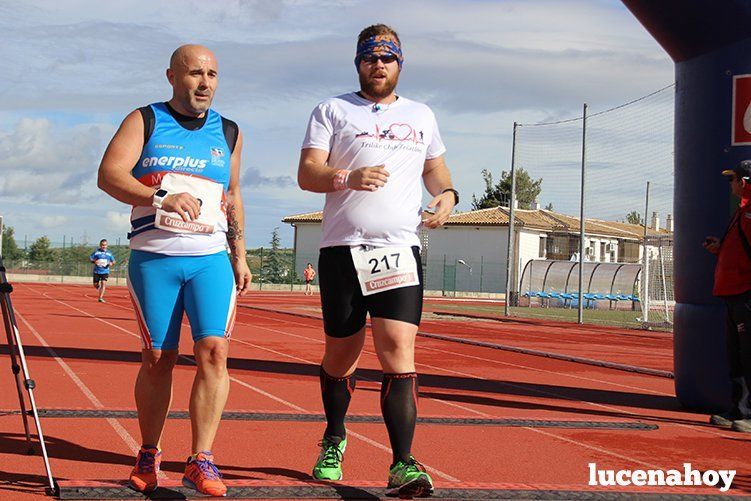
x,y
234,232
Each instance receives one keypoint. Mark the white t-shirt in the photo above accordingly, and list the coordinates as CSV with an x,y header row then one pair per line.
x,y
401,136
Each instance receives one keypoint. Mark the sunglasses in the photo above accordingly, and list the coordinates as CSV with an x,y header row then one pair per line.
x,y
385,59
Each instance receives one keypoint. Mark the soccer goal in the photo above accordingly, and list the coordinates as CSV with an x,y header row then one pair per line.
x,y
656,282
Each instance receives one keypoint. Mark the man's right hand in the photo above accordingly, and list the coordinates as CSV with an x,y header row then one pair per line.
x,y
712,244
368,178
185,204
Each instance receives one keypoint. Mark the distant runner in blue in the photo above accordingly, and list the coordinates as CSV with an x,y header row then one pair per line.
x,y
102,259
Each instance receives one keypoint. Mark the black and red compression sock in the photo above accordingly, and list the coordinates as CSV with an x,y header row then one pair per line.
x,y
336,393
399,409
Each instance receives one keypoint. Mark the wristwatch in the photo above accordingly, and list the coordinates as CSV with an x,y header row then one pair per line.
x,y
159,197
456,194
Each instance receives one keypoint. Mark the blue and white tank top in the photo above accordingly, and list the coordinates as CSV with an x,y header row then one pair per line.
x,y
171,148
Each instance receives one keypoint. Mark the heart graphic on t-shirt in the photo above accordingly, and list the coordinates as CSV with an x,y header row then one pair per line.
x,y
401,132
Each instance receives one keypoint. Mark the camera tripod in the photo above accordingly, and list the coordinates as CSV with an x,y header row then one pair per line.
x,y
21,375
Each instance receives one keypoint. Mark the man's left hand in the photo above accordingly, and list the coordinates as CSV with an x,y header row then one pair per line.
x,y
243,276
443,204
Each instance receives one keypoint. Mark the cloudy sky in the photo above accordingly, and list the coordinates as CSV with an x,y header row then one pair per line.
x,y
75,68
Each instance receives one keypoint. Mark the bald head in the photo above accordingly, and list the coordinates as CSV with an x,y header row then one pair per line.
x,y
185,53
193,75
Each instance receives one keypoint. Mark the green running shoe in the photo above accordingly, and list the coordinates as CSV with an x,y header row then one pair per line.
x,y
329,464
409,480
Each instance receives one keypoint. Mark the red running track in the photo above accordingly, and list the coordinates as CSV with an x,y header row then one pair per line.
x,y
84,355
652,350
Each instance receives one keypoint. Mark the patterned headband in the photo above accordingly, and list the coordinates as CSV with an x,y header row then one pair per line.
x,y
379,45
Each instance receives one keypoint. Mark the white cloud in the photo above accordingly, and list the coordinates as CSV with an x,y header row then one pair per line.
x,y
77,68
53,221
119,221
49,162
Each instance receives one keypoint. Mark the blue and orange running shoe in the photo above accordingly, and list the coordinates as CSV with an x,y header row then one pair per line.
x,y
202,475
143,477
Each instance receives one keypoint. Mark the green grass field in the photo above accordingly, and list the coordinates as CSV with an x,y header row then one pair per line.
x,y
616,318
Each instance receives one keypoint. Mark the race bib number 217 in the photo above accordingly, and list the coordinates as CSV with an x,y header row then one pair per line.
x,y
386,268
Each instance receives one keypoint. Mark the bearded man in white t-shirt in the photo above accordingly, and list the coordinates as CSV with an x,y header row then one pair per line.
x,y
369,151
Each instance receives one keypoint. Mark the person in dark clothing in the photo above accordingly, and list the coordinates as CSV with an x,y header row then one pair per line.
x,y
733,284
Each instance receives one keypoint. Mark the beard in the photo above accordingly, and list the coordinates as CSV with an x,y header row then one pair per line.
x,y
199,107
378,90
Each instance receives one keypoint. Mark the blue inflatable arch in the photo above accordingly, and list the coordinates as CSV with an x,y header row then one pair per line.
x,y
710,42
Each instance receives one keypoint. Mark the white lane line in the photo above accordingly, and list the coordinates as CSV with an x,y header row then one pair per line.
x,y
363,438
710,431
241,383
449,404
450,352
594,448
235,338
546,371
549,434
114,423
547,394
557,396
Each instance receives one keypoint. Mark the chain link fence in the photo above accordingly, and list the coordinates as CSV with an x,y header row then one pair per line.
x,y
613,170
277,269
271,268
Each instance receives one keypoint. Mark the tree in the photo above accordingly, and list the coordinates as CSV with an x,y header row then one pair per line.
x,y
40,250
273,269
10,248
499,194
634,217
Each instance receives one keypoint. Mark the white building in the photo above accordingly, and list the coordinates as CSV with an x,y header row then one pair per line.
x,y
469,252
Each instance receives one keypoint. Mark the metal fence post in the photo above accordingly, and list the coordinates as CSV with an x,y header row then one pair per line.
x,y
645,266
511,251
456,265
260,271
481,271
581,215
443,286
293,275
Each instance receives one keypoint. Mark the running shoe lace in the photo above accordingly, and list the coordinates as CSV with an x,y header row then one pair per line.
x,y
414,465
209,469
332,456
146,462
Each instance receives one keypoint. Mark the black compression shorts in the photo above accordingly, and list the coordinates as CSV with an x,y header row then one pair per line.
x,y
344,307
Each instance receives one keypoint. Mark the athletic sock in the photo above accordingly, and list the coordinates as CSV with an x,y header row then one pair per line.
x,y
399,409
336,393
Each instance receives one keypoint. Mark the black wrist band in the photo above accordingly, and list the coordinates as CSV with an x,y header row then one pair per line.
x,y
456,194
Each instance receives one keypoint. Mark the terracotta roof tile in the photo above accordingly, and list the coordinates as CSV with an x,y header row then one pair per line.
x,y
538,219
308,217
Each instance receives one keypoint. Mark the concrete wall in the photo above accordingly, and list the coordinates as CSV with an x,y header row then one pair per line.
x,y
307,239
595,243
482,248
